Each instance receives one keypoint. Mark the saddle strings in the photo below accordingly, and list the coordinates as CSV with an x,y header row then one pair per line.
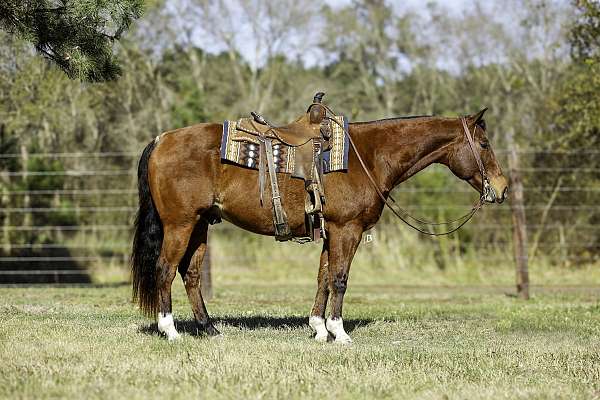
x,y
420,225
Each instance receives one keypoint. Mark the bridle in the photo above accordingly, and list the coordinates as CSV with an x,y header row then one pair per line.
x,y
487,192
427,227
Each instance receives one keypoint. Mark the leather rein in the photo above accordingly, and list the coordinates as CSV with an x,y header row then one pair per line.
x,y
423,226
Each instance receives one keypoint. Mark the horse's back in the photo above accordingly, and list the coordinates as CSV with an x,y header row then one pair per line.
x,y
185,143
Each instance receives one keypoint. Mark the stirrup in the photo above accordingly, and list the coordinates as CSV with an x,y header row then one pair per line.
x,y
317,207
282,232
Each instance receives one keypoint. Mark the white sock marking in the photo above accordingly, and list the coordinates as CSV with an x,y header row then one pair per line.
x,y
318,325
166,325
336,328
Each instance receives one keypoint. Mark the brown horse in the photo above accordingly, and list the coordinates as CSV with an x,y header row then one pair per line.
x,y
184,187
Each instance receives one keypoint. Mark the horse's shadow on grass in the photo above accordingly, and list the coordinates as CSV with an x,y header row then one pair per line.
x,y
250,323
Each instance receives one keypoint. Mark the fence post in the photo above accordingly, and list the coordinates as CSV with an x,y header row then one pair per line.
x,y
206,276
518,219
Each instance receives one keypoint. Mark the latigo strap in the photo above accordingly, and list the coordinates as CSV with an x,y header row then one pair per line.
x,y
282,228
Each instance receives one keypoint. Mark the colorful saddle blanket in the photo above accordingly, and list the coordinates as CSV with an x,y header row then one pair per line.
x,y
241,148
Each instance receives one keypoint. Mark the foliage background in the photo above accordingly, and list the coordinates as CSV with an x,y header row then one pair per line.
x,y
534,63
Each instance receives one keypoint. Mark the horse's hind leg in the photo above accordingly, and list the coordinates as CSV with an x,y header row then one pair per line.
x,y
191,274
174,245
317,315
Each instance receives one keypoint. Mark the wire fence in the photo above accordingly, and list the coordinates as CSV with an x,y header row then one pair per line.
x,y
63,221
524,150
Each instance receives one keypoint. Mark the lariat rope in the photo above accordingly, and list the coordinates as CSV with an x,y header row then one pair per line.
x,y
420,224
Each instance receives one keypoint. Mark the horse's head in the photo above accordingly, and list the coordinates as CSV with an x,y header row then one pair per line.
x,y
463,163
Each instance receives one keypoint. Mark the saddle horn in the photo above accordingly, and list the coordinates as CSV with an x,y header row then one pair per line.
x,y
315,110
318,97
259,118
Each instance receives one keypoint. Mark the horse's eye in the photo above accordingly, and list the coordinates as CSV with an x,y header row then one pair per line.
x,y
485,145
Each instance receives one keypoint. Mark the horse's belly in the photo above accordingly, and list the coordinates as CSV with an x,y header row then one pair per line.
x,y
239,200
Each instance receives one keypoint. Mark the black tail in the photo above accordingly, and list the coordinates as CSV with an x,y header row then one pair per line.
x,y
147,242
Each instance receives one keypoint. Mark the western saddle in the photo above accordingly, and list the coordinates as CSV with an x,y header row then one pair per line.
x,y
309,136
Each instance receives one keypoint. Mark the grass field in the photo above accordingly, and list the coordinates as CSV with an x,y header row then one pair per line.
x,y
409,342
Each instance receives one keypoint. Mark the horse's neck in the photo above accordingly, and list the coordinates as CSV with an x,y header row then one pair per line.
x,y
400,148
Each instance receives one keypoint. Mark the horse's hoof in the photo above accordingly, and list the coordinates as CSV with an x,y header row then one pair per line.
x,y
166,326
212,331
320,337
336,327
318,325
343,340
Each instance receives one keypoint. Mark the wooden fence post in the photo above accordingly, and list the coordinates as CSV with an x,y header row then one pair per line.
x,y
517,206
206,276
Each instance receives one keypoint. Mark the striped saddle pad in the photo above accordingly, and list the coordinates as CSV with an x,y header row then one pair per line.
x,y
240,148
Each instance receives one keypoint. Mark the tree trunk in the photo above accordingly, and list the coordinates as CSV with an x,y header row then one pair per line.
x,y
518,219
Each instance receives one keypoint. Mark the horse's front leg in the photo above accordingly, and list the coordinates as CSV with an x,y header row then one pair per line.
x,y
343,242
317,315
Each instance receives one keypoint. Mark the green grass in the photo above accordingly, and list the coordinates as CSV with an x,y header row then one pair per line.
x,y
409,342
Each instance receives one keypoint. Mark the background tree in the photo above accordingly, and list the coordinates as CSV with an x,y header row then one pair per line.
x,y
374,60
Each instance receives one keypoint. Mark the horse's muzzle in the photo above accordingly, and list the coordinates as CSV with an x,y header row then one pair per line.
x,y
503,197
495,190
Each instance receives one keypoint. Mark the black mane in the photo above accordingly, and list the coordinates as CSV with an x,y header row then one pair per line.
x,y
394,119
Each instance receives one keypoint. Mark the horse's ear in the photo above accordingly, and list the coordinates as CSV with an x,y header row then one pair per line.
x,y
477,118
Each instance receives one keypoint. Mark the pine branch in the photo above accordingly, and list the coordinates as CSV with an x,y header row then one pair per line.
x,y
74,35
